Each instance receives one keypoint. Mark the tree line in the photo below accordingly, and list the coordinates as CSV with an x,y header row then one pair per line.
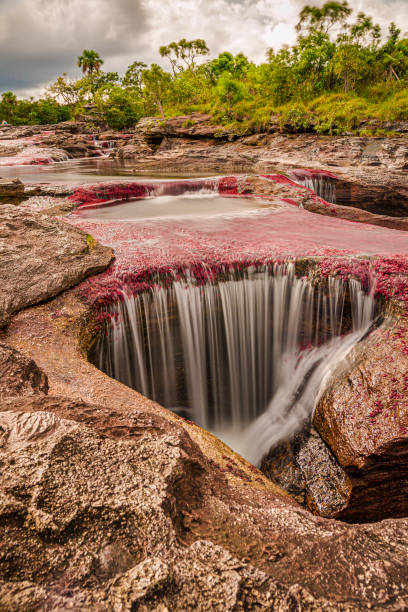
x,y
341,70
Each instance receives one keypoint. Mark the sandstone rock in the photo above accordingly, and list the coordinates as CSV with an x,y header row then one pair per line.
x,y
19,375
11,187
363,417
306,468
111,523
195,125
41,257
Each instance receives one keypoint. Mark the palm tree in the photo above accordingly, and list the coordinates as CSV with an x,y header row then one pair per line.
x,y
90,61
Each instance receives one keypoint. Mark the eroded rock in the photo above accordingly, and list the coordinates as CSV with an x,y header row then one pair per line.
x,y
11,187
118,509
363,417
20,375
40,257
100,523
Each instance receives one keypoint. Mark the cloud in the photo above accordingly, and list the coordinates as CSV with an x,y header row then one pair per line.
x,y
40,39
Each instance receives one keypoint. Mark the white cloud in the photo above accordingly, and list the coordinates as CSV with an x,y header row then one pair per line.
x,y
40,39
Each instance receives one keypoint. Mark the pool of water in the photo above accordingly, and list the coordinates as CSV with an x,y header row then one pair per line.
x,y
204,203
91,171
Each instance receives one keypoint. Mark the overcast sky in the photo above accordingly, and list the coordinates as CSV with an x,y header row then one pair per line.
x,y
40,39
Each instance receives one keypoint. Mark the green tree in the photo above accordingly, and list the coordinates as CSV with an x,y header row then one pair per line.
x,y
90,61
122,109
157,84
236,66
325,18
133,76
64,89
186,51
349,65
8,106
230,91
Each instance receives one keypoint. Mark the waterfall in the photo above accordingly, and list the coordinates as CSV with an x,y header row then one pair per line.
x,y
243,357
323,186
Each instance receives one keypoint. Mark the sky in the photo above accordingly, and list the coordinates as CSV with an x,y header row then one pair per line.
x,y
41,39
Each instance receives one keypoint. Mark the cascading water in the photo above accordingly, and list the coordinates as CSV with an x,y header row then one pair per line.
x,y
324,186
243,357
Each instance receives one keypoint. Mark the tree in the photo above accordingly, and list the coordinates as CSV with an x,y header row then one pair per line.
x,y
350,65
122,108
363,32
90,61
186,51
133,76
8,106
325,18
157,84
235,66
230,91
64,89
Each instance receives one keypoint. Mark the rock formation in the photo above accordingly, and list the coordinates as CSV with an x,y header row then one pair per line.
x,y
110,502
106,510
40,257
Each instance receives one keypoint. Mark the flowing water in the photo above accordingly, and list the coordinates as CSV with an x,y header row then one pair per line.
x,y
324,186
244,357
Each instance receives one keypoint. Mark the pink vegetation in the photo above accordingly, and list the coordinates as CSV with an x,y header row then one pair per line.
x,y
149,249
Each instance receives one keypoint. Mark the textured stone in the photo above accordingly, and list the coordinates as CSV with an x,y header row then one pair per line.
x,y
306,468
11,187
363,417
19,375
40,257
124,522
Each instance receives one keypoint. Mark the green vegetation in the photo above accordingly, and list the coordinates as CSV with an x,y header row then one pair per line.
x,y
341,72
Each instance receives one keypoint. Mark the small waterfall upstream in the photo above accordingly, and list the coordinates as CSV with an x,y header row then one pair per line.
x,y
244,357
324,186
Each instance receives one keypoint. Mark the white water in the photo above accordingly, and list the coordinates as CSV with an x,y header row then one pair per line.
x,y
231,355
324,187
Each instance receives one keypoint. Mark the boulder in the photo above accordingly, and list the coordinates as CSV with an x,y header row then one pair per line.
x,y
307,469
120,510
40,257
193,126
363,417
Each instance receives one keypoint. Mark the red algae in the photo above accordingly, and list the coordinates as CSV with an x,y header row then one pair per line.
x,y
149,249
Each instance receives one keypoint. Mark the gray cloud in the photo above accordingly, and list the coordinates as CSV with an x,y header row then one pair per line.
x,y
40,39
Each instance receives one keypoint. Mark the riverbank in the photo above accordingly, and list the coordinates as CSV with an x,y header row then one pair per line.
x,y
112,501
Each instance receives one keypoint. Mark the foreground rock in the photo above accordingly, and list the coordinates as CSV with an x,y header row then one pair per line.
x,y
103,509
40,257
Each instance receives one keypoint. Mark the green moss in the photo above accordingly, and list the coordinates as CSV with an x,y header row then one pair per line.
x,y
91,242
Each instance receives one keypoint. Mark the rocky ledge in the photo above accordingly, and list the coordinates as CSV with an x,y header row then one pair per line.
x,y
110,502
119,505
369,172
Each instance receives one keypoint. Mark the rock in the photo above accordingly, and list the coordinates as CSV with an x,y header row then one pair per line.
x,y
195,125
306,468
144,580
20,375
363,417
41,257
11,187
117,521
